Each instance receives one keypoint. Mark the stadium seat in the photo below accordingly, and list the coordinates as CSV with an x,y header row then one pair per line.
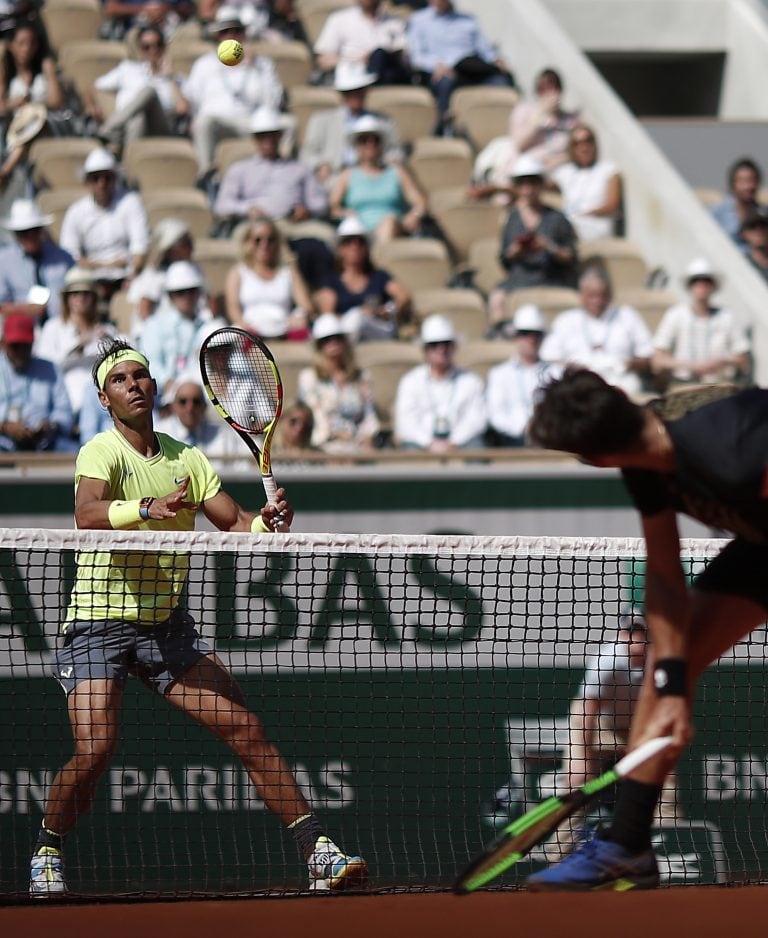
x,y
121,311
291,357
69,20
190,205
230,151
441,199
621,258
441,163
55,202
215,257
481,355
82,61
465,308
153,162
465,224
709,197
386,363
314,13
550,300
482,112
56,161
411,108
183,53
650,303
417,263
483,259
292,60
305,100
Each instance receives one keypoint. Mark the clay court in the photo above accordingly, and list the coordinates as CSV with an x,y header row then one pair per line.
x,y
703,912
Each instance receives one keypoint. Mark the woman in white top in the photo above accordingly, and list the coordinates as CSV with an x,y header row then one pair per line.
x,y
698,342
71,340
262,294
591,188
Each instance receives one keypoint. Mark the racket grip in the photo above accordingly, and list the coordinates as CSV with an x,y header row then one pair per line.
x,y
270,487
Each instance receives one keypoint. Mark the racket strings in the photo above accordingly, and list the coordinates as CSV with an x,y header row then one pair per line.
x,y
244,382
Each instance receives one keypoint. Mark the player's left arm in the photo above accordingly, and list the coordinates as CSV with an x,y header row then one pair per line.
x,y
225,513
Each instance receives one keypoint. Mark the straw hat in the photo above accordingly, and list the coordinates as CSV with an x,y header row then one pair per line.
x,y
25,215
27,123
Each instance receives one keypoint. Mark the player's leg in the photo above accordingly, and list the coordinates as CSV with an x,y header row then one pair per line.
x,y
180,666
93,708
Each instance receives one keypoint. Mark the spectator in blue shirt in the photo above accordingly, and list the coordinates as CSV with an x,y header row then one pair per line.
x,y
33,259
744,178
450,50
35,413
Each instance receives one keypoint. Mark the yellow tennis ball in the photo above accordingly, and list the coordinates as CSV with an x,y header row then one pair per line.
x,y
230,52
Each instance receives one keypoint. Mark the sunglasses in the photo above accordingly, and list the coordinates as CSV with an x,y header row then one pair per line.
x,y
259,239
446,344
230,29
353,239
104,176
80,292
185,290
368,138
148,46
195,401
583,140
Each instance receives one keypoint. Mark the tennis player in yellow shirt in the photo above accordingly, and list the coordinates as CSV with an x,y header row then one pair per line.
x,y
125,613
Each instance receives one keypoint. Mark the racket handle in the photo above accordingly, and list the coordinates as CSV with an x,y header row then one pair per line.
x,y
270,487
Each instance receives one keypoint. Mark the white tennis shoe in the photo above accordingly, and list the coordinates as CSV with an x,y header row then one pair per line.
x,y
46,874
330,870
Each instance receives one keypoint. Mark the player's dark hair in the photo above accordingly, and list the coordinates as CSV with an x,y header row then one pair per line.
x,y
108,346
744,163
581,413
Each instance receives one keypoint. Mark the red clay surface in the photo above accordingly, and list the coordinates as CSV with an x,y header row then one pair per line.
x,y
698,912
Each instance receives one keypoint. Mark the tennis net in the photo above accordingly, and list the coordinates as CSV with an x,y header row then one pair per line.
x,y
420,688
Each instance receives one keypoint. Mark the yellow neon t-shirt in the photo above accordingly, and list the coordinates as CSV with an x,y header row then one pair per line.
x,y
138,586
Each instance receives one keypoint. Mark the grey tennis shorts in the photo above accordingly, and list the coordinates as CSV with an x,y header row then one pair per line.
x,y
112,649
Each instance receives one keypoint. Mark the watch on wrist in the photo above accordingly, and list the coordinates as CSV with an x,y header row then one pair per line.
x,y
144,505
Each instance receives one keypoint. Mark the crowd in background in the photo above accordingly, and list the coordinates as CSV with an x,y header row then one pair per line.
x,y
322,286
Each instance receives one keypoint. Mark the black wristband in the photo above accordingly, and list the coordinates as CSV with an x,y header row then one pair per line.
x,y
670,677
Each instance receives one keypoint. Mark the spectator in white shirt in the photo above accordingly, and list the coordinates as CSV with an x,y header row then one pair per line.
x,y
611,340
439,406
223,98
363,33
148,99
106,231
511,388
696,341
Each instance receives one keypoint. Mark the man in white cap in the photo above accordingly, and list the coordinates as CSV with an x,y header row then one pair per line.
x,y
439,406
363,33
511,388
32,259
698,342
223,99
173,334
266,184
106,231
327,147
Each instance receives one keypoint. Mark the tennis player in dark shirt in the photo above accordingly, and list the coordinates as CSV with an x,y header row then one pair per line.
x,y
703,453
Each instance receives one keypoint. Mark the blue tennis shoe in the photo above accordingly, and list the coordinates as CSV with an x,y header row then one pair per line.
x,y
599,864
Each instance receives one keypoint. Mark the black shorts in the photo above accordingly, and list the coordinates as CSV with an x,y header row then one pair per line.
x,y
111,649
740,569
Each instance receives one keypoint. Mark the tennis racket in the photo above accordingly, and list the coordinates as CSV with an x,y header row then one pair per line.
x,y
240,377
517,838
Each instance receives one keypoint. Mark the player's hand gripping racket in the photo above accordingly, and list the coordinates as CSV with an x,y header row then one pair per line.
x,y
240,377
517,838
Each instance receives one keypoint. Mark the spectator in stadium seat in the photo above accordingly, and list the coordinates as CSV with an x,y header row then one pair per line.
x,y
512,385
328,147
267,185
384,197
591,187
107,230
148,101
264,294
72,339
611,340
699,453
28,74
450,51
697,342
174,333
744,179
371,303
538,243
284,23
363,33
32,259
134,478
35,413
338,392
223,99
438,406
294,431
754,233
122,17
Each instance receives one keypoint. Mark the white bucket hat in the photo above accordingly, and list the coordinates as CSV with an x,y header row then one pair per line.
x,y
25,215
368,124
701,269
351,227
99,160
168,231
78,277
182,275
265,120
529,318
328,324
526,165
226,17
437,328
352,76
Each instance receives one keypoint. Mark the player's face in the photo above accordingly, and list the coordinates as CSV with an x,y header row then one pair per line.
x,y
129,391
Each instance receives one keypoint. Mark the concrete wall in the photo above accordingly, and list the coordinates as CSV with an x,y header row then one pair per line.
x,y
664,217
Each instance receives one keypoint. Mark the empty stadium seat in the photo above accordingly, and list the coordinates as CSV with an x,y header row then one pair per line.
x,y
481,355
465,308
154,162
441,163
68,20
55,202
190,205
465,224
649,302
56,161
411,108
550,300
83,61
483,259
621,258
416,262
305,100
292,61
386,363
482,112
